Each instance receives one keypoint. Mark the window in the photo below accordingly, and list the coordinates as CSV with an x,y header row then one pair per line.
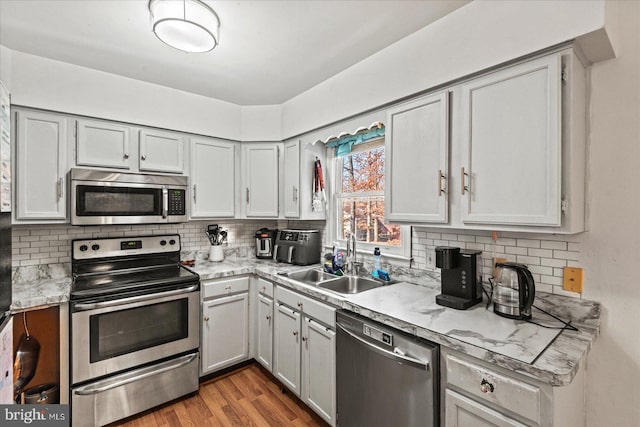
x,y
359,200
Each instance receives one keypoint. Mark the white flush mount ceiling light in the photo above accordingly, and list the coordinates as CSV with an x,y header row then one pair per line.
x,y
188,25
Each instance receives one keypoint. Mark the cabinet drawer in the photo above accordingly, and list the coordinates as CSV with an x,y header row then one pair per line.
x,y
225,287
319,311
519,397
265,288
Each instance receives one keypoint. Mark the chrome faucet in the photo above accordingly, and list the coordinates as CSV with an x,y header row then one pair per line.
x,y
353,266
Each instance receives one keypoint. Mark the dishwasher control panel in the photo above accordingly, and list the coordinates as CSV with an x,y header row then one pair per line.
x,y
377,334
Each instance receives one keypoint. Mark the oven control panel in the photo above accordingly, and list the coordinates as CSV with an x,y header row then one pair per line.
x,y
123,246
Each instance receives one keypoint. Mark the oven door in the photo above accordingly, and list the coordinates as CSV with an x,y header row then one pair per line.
x,y
114,335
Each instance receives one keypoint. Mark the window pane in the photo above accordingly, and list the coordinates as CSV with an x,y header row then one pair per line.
x,y
370,226
363,171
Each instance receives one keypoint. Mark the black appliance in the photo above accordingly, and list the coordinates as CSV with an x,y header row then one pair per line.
x,y
299,247
513,291
264,243
460,281
135,327
5,264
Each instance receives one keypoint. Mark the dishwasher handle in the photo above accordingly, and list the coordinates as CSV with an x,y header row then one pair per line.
x,y
417,363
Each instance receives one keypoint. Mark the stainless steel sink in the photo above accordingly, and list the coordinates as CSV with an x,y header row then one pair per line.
x,y
311,276
350,284
338,284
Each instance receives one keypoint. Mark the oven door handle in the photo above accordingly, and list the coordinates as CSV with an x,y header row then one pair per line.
x,y
136,375
102,304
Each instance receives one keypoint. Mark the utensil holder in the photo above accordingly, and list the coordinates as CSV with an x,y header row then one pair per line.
x,y
216,254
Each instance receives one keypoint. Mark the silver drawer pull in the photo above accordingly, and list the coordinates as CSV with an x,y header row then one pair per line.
x,y
486,386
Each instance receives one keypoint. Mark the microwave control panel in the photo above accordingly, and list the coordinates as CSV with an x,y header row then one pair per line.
x,y
177,201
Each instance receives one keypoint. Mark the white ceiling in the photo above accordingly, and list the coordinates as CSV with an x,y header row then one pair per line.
x,y
269,52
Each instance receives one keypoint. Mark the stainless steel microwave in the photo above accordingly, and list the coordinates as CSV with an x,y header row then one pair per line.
x,y
103,197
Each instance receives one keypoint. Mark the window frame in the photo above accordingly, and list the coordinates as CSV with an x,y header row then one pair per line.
x,y
398,252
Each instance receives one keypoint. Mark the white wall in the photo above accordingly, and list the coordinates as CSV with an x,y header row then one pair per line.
x,y
5,67
261,123
474,37
611,249
44,83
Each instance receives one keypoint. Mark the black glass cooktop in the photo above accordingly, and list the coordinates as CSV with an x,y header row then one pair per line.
x,y
131,279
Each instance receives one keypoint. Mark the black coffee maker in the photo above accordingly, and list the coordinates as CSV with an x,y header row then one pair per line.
x,y
460,281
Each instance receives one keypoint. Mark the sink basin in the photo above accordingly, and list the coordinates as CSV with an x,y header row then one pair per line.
x,y
311,276
350,284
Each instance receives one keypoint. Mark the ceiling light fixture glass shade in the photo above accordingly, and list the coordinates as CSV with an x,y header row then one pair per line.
x,y
188,25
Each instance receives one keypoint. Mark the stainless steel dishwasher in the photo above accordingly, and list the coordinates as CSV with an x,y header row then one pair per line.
x,y
384,377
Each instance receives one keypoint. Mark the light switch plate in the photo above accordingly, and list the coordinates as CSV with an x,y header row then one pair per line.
x,y
431,259
573,278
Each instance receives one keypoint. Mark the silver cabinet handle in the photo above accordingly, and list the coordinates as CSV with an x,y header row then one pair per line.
x,y
295,333
194,193
125,156
92,306
143,157
441,178
59,188
463,187
304,339
247,195
486,386
206,318
269,317
295,193
137,375
421,364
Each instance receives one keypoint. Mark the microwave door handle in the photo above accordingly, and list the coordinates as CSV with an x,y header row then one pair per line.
x,y
165,201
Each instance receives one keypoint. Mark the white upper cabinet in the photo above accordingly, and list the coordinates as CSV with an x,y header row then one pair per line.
x,y
292,179
512,145
260,164
103,144
417,161
161,151
213,173
41,166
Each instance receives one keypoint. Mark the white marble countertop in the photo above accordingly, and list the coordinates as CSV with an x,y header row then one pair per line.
x,y
407,306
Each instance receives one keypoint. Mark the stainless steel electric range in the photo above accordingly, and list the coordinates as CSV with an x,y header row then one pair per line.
x,y
134,327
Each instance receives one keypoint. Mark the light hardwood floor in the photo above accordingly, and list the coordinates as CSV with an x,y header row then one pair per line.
x,y
248,396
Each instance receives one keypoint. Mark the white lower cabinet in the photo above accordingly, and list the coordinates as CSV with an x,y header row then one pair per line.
x,y
465,412
319,367
264,350
225,326
477,394
305,348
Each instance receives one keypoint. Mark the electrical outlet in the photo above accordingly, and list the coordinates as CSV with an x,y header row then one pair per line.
x,y
431,259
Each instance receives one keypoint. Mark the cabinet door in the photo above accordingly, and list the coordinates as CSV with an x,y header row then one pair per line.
x,y
212,178
161,151
319,369
292,180
261,172
102,144
461,411
417,161
265,331
286,358
512,146
225,332
41,165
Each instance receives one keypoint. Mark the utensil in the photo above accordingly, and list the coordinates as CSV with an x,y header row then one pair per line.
x,y
212,233
25,360
223,237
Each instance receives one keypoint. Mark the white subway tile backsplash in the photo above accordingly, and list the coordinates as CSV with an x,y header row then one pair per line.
x,y
552,244
528,243
545,256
